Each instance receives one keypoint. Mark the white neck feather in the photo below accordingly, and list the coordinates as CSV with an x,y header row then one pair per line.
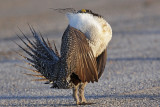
x,y
84,22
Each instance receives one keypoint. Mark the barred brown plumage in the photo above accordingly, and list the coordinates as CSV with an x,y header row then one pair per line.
x,y
78,62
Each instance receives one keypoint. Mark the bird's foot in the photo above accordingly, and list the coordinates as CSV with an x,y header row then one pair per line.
x,y
78,103
85,103
81,103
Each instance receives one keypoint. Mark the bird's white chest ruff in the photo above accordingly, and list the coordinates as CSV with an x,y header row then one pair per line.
x,y
97,30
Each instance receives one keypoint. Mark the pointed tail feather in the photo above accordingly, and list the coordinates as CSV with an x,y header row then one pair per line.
x,y
40,79
28,69
42,57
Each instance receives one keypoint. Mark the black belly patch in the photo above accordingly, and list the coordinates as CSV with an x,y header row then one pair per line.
x,y
74,79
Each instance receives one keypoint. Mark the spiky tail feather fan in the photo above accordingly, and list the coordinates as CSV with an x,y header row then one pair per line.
x,y
43,57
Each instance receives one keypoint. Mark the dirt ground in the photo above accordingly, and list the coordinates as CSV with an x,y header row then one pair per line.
x,y
132,73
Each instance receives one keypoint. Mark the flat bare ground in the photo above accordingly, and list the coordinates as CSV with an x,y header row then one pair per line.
x,y
132,74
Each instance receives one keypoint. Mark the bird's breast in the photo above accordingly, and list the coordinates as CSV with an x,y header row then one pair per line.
x,y
99,39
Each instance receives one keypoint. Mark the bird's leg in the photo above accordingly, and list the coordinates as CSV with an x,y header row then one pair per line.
x,y
81,92
75,94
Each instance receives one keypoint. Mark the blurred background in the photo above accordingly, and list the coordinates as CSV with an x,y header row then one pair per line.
x,y
127,17
133,53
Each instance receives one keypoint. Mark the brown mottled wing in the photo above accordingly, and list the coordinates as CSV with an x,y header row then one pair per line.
x,y
101,62
77,56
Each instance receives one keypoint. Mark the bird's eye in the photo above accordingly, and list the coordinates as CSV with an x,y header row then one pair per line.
x,y
89,11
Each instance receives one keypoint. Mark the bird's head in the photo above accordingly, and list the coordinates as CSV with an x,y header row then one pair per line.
x,y
73,11
87,11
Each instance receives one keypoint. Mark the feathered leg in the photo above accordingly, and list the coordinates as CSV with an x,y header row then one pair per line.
x,y
75,94
81,92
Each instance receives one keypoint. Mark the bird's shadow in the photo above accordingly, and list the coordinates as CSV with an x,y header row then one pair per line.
x,y
112,96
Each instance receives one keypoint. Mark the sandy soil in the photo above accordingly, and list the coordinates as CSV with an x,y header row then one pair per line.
x,y
132,74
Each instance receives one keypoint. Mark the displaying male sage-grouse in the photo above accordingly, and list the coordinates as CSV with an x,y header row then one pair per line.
x,y
82,57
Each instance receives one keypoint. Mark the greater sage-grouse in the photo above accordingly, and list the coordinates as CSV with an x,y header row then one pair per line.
x,y
82,57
